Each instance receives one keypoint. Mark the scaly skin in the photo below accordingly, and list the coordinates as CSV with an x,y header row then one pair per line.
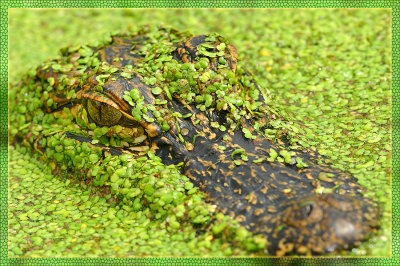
x,y
274,198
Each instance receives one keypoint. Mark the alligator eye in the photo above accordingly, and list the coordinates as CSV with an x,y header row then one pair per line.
x,y
102,113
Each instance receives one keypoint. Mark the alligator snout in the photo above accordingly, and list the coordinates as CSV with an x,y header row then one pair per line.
x,y
319,224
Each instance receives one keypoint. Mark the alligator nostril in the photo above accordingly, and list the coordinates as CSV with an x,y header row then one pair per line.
x,y
312,213
308,209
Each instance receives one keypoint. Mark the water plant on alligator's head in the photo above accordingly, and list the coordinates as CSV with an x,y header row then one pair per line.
x,y
167,94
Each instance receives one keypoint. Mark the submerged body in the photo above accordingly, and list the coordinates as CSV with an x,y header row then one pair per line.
x,y
184,99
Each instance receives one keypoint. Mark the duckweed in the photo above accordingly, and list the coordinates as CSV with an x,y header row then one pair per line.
x,y
317,72
161,199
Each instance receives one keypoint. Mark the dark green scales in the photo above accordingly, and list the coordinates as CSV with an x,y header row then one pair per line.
x,y
183,98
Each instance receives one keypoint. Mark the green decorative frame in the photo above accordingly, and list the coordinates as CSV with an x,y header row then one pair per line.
x,y
6,4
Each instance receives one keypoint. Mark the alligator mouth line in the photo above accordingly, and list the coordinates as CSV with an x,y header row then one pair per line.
x,y
111,150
